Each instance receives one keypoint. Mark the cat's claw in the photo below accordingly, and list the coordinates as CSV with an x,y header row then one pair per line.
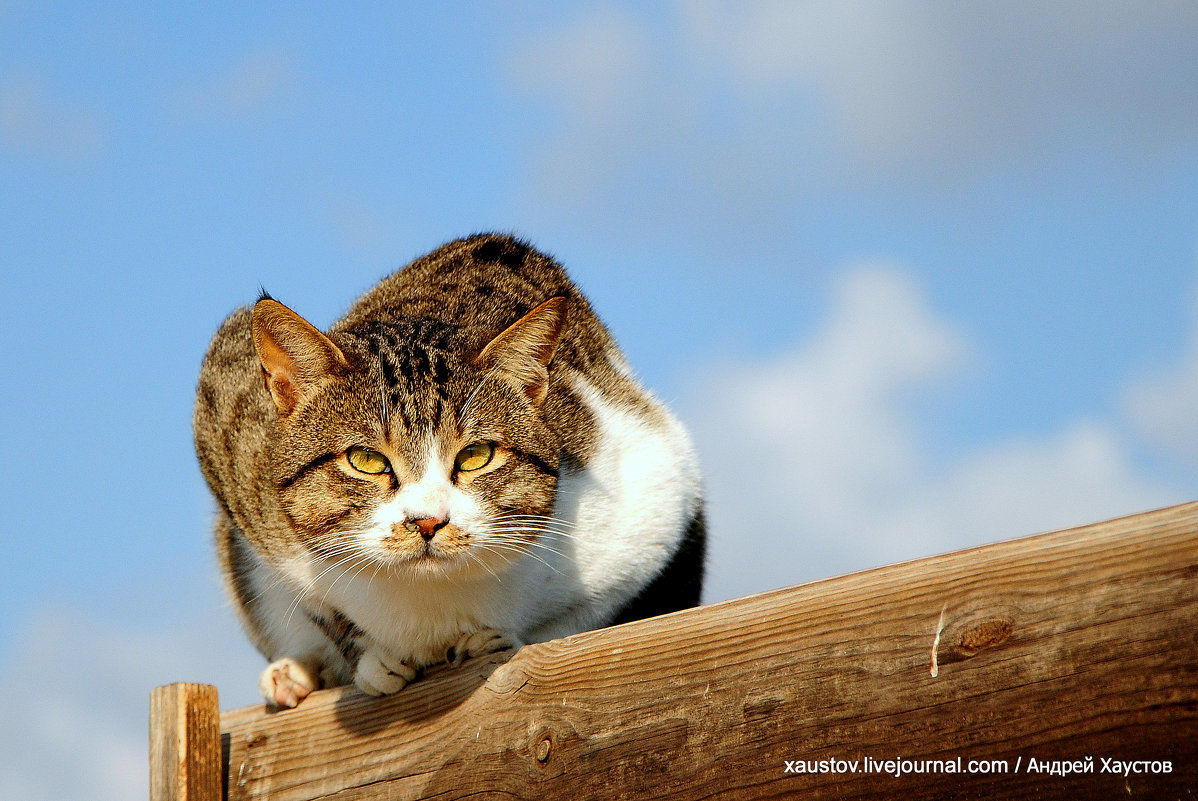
x,y
379,673
480,643
286,682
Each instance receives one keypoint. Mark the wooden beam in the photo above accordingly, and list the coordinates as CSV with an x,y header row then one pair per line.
x,y
1061,666
185,743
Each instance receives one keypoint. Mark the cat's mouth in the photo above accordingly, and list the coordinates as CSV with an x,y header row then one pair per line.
x,y
432,555
451,552
447,547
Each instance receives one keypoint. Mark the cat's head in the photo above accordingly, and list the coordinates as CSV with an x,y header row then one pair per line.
x,y
404,444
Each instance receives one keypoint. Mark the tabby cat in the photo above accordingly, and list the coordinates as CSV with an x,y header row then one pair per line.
x,y
463,464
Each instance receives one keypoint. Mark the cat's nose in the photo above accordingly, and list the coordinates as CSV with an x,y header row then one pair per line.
x,y
427,526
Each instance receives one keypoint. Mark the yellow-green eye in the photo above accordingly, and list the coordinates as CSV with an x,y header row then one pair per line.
x,y
474,457
367,461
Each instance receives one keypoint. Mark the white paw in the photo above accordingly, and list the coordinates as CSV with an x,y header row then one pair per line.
x,y
379,673
286,682
480,643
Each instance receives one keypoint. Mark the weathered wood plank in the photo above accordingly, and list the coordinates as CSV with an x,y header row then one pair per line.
x,y
1065,646
185,743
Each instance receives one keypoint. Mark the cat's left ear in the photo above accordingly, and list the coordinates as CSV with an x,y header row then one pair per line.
x,y
523,351
295,355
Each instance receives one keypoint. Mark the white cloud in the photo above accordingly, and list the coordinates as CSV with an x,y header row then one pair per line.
x,y
823,425
258,83
1163,405
1080,475
598,69
816,463
34,122
756,97
595,63
74,698
649,141
948,84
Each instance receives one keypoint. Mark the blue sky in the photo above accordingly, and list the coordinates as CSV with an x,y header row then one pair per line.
x,y
918,276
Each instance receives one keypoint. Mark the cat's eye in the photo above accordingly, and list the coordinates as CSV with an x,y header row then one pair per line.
x,y
474,457
366,460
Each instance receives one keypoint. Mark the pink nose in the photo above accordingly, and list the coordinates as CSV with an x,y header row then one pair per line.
x,y
427,526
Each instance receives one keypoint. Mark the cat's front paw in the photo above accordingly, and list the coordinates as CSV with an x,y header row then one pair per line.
x,y
379,673
480,643
286,682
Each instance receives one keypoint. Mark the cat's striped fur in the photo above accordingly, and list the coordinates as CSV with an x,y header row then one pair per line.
x,y
585,511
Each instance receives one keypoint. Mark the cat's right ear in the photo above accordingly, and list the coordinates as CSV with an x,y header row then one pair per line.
x,y
294,354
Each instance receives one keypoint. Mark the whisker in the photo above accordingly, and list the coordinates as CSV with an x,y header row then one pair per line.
x,y
508,544
503,550
473,554
358,567
279,579
521,545
533,531
470,400
349,556
539,522
520,516
384,407
519,537
562,527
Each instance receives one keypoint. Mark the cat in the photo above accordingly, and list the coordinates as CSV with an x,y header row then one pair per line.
x,y
463,464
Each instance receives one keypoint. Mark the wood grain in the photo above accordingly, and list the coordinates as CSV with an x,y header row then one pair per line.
x,y
1061,647
185,743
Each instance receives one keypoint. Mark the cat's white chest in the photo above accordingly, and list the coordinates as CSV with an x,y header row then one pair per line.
x,y
629,508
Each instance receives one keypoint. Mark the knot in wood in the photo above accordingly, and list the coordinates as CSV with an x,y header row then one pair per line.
x,y
986,634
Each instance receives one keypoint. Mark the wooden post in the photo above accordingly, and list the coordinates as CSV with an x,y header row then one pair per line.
x,y
1062,666
185,743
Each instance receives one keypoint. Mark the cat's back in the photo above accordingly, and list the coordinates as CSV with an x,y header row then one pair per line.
x,y
483,284
233,419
